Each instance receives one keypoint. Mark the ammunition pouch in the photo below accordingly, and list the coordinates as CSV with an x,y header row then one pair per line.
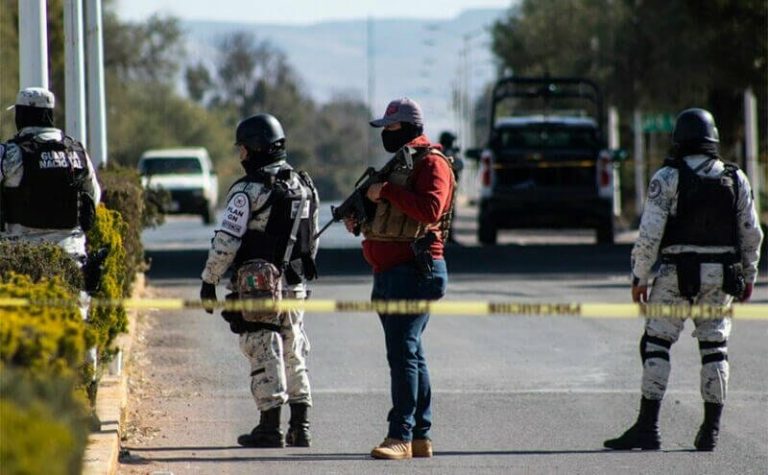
x,y
688,268
734,282
258,279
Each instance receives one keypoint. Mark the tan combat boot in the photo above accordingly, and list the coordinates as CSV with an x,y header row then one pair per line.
x,y
392,449
421,448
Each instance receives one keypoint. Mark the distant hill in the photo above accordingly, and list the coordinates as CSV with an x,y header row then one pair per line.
x,y
415,58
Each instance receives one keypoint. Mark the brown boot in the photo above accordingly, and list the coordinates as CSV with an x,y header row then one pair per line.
x,y
421,448
392,449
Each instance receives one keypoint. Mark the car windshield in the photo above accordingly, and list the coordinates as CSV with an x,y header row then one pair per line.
x,y
170,166
545,137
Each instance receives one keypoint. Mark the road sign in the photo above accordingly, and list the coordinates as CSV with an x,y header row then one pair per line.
x,y
663,122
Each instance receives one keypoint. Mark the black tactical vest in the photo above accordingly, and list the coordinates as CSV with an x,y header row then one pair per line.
x,y
55,186
282,204
706,208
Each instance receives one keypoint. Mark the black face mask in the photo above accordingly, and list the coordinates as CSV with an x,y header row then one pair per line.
x,y
33,117
258,159
251,166
706,148
393,140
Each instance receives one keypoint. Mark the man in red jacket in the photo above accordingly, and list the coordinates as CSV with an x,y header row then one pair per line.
x,y
404,245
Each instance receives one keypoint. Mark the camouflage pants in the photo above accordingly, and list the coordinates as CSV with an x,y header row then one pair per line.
x,y
279,362
711,333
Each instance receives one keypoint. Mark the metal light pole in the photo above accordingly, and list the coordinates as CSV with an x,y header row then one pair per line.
x,y
371,88
33,44
750,139
613,144
74,70
639,160
97,143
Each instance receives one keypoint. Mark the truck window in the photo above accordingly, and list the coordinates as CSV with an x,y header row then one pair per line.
x,y
547,138
170,166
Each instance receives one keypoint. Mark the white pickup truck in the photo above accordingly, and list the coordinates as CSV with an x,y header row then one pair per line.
x,y
187,173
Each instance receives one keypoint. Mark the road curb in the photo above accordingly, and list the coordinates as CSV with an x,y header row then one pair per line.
x,y
101,453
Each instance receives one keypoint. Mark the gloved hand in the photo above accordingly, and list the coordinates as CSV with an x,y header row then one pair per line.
x,y
747,293
207,295
640,293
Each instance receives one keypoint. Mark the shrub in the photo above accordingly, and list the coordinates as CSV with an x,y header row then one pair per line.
x,y
38,261
108,321
42,339
122,192
44,424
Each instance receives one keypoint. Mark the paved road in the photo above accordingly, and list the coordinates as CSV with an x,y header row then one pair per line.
x,y
183,232
512,394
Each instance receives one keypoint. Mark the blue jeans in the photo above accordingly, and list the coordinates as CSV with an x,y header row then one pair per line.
x,y
411,413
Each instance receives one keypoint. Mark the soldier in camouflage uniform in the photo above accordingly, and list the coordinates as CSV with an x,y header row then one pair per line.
x,y
49,186
700,221
259,222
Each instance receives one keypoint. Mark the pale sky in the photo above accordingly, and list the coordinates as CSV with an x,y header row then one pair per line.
x,y
300,11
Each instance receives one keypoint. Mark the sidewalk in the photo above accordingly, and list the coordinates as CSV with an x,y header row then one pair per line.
x,y
103,448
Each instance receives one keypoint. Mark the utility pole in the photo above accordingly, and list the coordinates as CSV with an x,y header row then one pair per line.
x,y
371,88
750,143
97,143
33,44
74,70
613,144
639,160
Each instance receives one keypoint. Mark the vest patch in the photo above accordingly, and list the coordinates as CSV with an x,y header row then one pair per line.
x,y
304,210
60,159
236,215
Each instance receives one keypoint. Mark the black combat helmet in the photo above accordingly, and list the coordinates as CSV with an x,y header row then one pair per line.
x,y
262,135
694,127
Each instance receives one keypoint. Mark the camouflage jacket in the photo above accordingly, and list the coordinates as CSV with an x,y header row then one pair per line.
x,y
662,202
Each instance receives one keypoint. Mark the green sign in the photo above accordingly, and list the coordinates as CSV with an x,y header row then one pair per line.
x,y
658,123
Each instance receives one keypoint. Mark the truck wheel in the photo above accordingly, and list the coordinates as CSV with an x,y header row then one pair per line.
x,y
487,232
208,215
605,233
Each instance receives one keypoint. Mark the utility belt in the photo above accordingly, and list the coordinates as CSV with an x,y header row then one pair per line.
x,y
688,267
238,325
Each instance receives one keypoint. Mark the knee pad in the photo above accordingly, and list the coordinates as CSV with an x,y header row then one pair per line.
x,y
660,349
713,351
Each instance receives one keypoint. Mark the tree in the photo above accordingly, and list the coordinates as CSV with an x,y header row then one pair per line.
x,y
149,52
198,81
657,55
253,76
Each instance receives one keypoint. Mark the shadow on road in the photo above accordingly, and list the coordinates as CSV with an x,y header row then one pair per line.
x,y
132,459
502,259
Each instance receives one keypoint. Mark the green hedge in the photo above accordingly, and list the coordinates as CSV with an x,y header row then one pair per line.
x,y
43,375
44,419
116,277
38,261
44,425
42,339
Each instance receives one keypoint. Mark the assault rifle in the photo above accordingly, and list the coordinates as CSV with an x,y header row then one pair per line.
x,y
357,206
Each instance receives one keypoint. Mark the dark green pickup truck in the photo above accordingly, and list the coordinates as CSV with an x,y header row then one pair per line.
x,y
546,164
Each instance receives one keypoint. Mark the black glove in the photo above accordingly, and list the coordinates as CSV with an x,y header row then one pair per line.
x,y
208,293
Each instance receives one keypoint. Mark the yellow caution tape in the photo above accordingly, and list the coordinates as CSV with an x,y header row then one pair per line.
x,y
445,307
